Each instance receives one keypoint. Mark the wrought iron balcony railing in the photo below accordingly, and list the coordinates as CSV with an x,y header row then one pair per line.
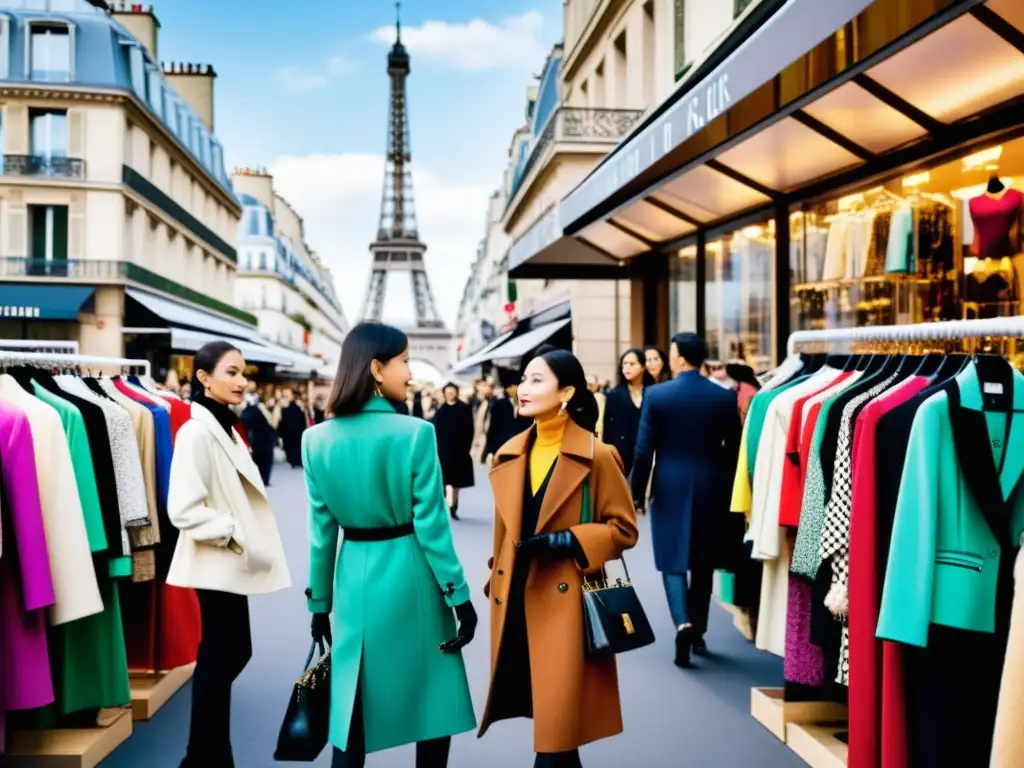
x,y
578,124
85,270
41,165
96,271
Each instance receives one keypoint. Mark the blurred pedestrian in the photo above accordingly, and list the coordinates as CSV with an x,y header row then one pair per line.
x,y
453,422
622,413
293,424
656,362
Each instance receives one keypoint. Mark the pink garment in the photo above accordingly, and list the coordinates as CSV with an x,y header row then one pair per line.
x,y
26,681
804,661
993,220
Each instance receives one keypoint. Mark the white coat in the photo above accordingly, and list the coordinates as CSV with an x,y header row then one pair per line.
x,y
216,495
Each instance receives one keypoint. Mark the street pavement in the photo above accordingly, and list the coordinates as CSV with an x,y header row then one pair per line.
x,y
674,718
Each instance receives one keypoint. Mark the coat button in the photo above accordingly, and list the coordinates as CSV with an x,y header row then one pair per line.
x,y
497,601
501,572
993,553
563,587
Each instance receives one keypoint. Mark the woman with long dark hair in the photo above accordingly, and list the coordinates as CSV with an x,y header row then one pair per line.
x,y
656,363
622,405
453,422
539,478
396,586
229,547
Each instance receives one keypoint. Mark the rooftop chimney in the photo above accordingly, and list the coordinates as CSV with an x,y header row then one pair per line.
x,y
194,83
140,20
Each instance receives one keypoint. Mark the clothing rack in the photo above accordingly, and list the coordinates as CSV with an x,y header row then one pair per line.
x,y
7,356
1006,327
29,345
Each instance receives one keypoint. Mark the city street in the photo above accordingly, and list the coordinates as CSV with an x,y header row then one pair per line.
x,y
698,718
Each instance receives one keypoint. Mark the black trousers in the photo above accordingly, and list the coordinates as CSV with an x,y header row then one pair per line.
x,y
570,759
224,650
429,754
702,581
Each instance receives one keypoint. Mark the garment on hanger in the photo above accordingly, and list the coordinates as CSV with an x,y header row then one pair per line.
x,y
994,218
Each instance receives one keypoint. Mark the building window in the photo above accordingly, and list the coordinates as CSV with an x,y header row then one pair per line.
x,y
680,37
49,232
50,53
156,91
49,133
5,47
137,67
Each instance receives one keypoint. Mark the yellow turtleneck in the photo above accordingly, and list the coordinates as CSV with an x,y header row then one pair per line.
x,y
545,448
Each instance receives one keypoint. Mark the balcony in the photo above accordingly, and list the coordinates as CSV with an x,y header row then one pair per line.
x,y
45,167
580,126
99,272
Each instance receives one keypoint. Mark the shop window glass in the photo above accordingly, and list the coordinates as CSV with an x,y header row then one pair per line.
x,y
739,322
682,296
940,244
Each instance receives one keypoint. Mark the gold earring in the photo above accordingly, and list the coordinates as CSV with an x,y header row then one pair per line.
x,y
376,388
564,406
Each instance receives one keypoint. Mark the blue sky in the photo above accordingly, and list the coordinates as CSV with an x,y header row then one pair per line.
x,y
304,93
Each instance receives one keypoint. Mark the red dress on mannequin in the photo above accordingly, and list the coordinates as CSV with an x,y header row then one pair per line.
x,y
994,218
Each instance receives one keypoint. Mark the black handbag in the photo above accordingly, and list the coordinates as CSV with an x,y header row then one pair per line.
x,y
307,720
614,620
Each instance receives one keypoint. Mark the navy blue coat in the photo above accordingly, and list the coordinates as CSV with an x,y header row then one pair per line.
x,y
692,425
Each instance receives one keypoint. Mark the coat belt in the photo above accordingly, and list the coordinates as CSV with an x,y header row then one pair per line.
x,y
384,533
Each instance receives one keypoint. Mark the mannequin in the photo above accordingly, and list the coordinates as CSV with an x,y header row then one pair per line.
x,y
995,185
997,215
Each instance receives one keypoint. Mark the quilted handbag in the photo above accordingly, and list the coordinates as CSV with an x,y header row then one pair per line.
x,y
307,720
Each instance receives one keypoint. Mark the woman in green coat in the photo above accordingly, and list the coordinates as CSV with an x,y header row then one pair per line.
x,y
397,674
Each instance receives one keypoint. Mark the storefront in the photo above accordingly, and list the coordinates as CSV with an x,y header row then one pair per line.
x,y
875,179
551,326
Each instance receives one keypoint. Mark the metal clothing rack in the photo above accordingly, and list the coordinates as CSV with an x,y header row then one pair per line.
x,y
58,359
27,345
1005,327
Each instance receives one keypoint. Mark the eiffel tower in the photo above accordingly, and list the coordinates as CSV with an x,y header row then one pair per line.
x,y
398,247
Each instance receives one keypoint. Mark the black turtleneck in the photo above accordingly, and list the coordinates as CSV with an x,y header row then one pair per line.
x,y
224,415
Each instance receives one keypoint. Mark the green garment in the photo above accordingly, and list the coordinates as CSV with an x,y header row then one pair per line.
x,y
944,559
756,413
88,658
391,599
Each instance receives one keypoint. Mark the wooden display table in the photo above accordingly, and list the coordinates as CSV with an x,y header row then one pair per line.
x,y
817,745
70,747
770,709
151,690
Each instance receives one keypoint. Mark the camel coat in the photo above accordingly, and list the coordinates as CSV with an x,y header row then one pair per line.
x,y
1008,744
575,698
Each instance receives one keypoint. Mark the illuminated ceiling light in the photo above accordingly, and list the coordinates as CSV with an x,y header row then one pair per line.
x,y
850,200
982,159
969,193
917,180
752,232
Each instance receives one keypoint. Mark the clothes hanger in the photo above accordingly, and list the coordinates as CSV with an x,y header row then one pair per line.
x,y
995,376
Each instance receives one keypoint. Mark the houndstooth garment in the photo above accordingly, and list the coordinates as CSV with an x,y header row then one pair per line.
x,y
835,535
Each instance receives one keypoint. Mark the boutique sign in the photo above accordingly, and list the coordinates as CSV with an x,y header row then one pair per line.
x,y
25,312
802,24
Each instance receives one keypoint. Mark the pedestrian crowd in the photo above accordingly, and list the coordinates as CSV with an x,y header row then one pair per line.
x,y
573,463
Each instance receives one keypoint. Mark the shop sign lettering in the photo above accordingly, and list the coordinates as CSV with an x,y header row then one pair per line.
x,y
13,310
669,131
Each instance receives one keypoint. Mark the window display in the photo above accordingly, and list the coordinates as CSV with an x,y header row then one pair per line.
x,y
739,296
941,244
682,300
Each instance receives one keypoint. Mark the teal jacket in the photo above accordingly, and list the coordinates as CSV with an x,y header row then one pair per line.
x,y
392,600
958,515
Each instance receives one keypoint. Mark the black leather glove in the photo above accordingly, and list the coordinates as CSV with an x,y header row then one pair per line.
x,y
550,545
321,628
466,615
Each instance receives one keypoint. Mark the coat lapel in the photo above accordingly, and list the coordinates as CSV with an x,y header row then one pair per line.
x,y
571,469
235,449
974,446
508,478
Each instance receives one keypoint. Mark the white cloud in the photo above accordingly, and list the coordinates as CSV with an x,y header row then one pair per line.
x,y
339,197
299,80
476,44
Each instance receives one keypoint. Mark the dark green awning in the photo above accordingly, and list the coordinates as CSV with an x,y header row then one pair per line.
x,y
32,301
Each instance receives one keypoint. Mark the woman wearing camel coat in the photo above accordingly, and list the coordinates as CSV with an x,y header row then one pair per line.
x,y
575,698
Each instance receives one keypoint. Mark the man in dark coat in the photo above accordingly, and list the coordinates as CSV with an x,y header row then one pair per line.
x,y
293,424
262,433
691,427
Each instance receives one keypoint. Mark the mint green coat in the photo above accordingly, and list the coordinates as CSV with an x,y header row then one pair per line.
x,y
960,512
392,600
